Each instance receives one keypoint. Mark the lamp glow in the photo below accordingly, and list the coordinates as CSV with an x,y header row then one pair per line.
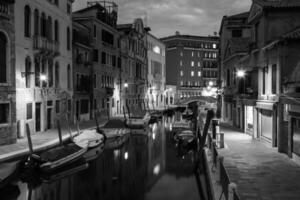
x,y
126,155
240,73
43,77
126,85
210,83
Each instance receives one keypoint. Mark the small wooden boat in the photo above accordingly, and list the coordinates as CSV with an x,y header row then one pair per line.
x,y
117,142
90,138
138,122
8,171
93,153
181,124
66,171
185,135
56,157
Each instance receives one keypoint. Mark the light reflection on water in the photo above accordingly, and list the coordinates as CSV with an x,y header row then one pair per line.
x,y
147,167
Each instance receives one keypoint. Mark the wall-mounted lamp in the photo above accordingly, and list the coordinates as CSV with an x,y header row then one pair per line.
x,y
240,73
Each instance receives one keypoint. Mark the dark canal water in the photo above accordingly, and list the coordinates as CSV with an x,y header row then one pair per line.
x,y
147,166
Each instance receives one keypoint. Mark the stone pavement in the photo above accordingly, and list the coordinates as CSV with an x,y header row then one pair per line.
x,y
260,172
42,141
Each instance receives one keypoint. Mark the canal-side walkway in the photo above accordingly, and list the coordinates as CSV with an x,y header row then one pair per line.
x,y
259,171
43,140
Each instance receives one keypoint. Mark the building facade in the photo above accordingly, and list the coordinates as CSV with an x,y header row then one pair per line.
x,y
156,73
133,39
267,93
101,18
8,128
82,72
191,63
43,68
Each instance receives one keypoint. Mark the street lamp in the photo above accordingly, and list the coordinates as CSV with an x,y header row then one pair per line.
x,y
43,77
126,85
241,74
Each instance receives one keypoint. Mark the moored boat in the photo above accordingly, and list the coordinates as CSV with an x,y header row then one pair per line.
x,y
8,171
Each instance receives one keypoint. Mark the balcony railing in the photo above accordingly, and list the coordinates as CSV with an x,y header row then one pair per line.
x,y
4,9
45,45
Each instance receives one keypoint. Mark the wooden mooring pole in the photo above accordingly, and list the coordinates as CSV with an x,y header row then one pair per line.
x,y
29,139
59,132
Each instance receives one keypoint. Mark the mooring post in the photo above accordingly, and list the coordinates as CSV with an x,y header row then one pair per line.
x,y
59,132
69,127
29,139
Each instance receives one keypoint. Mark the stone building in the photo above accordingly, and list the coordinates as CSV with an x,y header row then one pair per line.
x,y
134,37
101,18
43,68
156,73
82,72
267,93
8,131
191,63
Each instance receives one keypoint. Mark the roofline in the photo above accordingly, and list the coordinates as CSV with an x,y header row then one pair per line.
x,y
195,37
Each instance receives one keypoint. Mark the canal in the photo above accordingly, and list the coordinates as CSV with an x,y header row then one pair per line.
x,y
148,166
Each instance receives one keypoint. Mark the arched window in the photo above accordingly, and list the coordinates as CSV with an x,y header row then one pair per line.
x,y
68,39
56,31
3,58
43,25
69,77
56,75
27,23
49,28
36,22
27,71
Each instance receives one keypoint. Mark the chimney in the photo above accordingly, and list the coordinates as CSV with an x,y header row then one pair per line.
x,y
177,33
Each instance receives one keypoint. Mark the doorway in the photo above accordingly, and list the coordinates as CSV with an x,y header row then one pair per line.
x,y
37,117
49,115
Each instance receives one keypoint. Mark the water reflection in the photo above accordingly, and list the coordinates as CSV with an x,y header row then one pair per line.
x,y
147,166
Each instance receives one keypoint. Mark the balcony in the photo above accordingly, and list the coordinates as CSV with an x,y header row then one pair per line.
x,y
45,46
4,8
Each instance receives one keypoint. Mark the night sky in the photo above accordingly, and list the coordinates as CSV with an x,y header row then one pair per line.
x,y
194,17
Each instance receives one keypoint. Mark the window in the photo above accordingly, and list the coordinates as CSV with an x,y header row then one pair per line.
x,y
95,81
181,73
228,78
192,73
192,63
95,31
68,8
37,72
56,31
181,63
56,75
29,111
50,74
274,80
69,76
256,31
192,54
181,54
95,55
57,106
264,81
214,46
69,105
36,22
68,39
199,73
27,72
49,28
199,64
4,113
43,25
84,106
56,2
107,37
114,61
236,33
27,21
3,58
103,57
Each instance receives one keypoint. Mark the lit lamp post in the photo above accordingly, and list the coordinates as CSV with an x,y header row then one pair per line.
x,y
241,74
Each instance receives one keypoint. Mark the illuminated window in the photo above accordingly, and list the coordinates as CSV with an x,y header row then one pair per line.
x,y
181,54
199,64
181,83
180,62
192,54
199,73
214,46
192,63
181,73
192,73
